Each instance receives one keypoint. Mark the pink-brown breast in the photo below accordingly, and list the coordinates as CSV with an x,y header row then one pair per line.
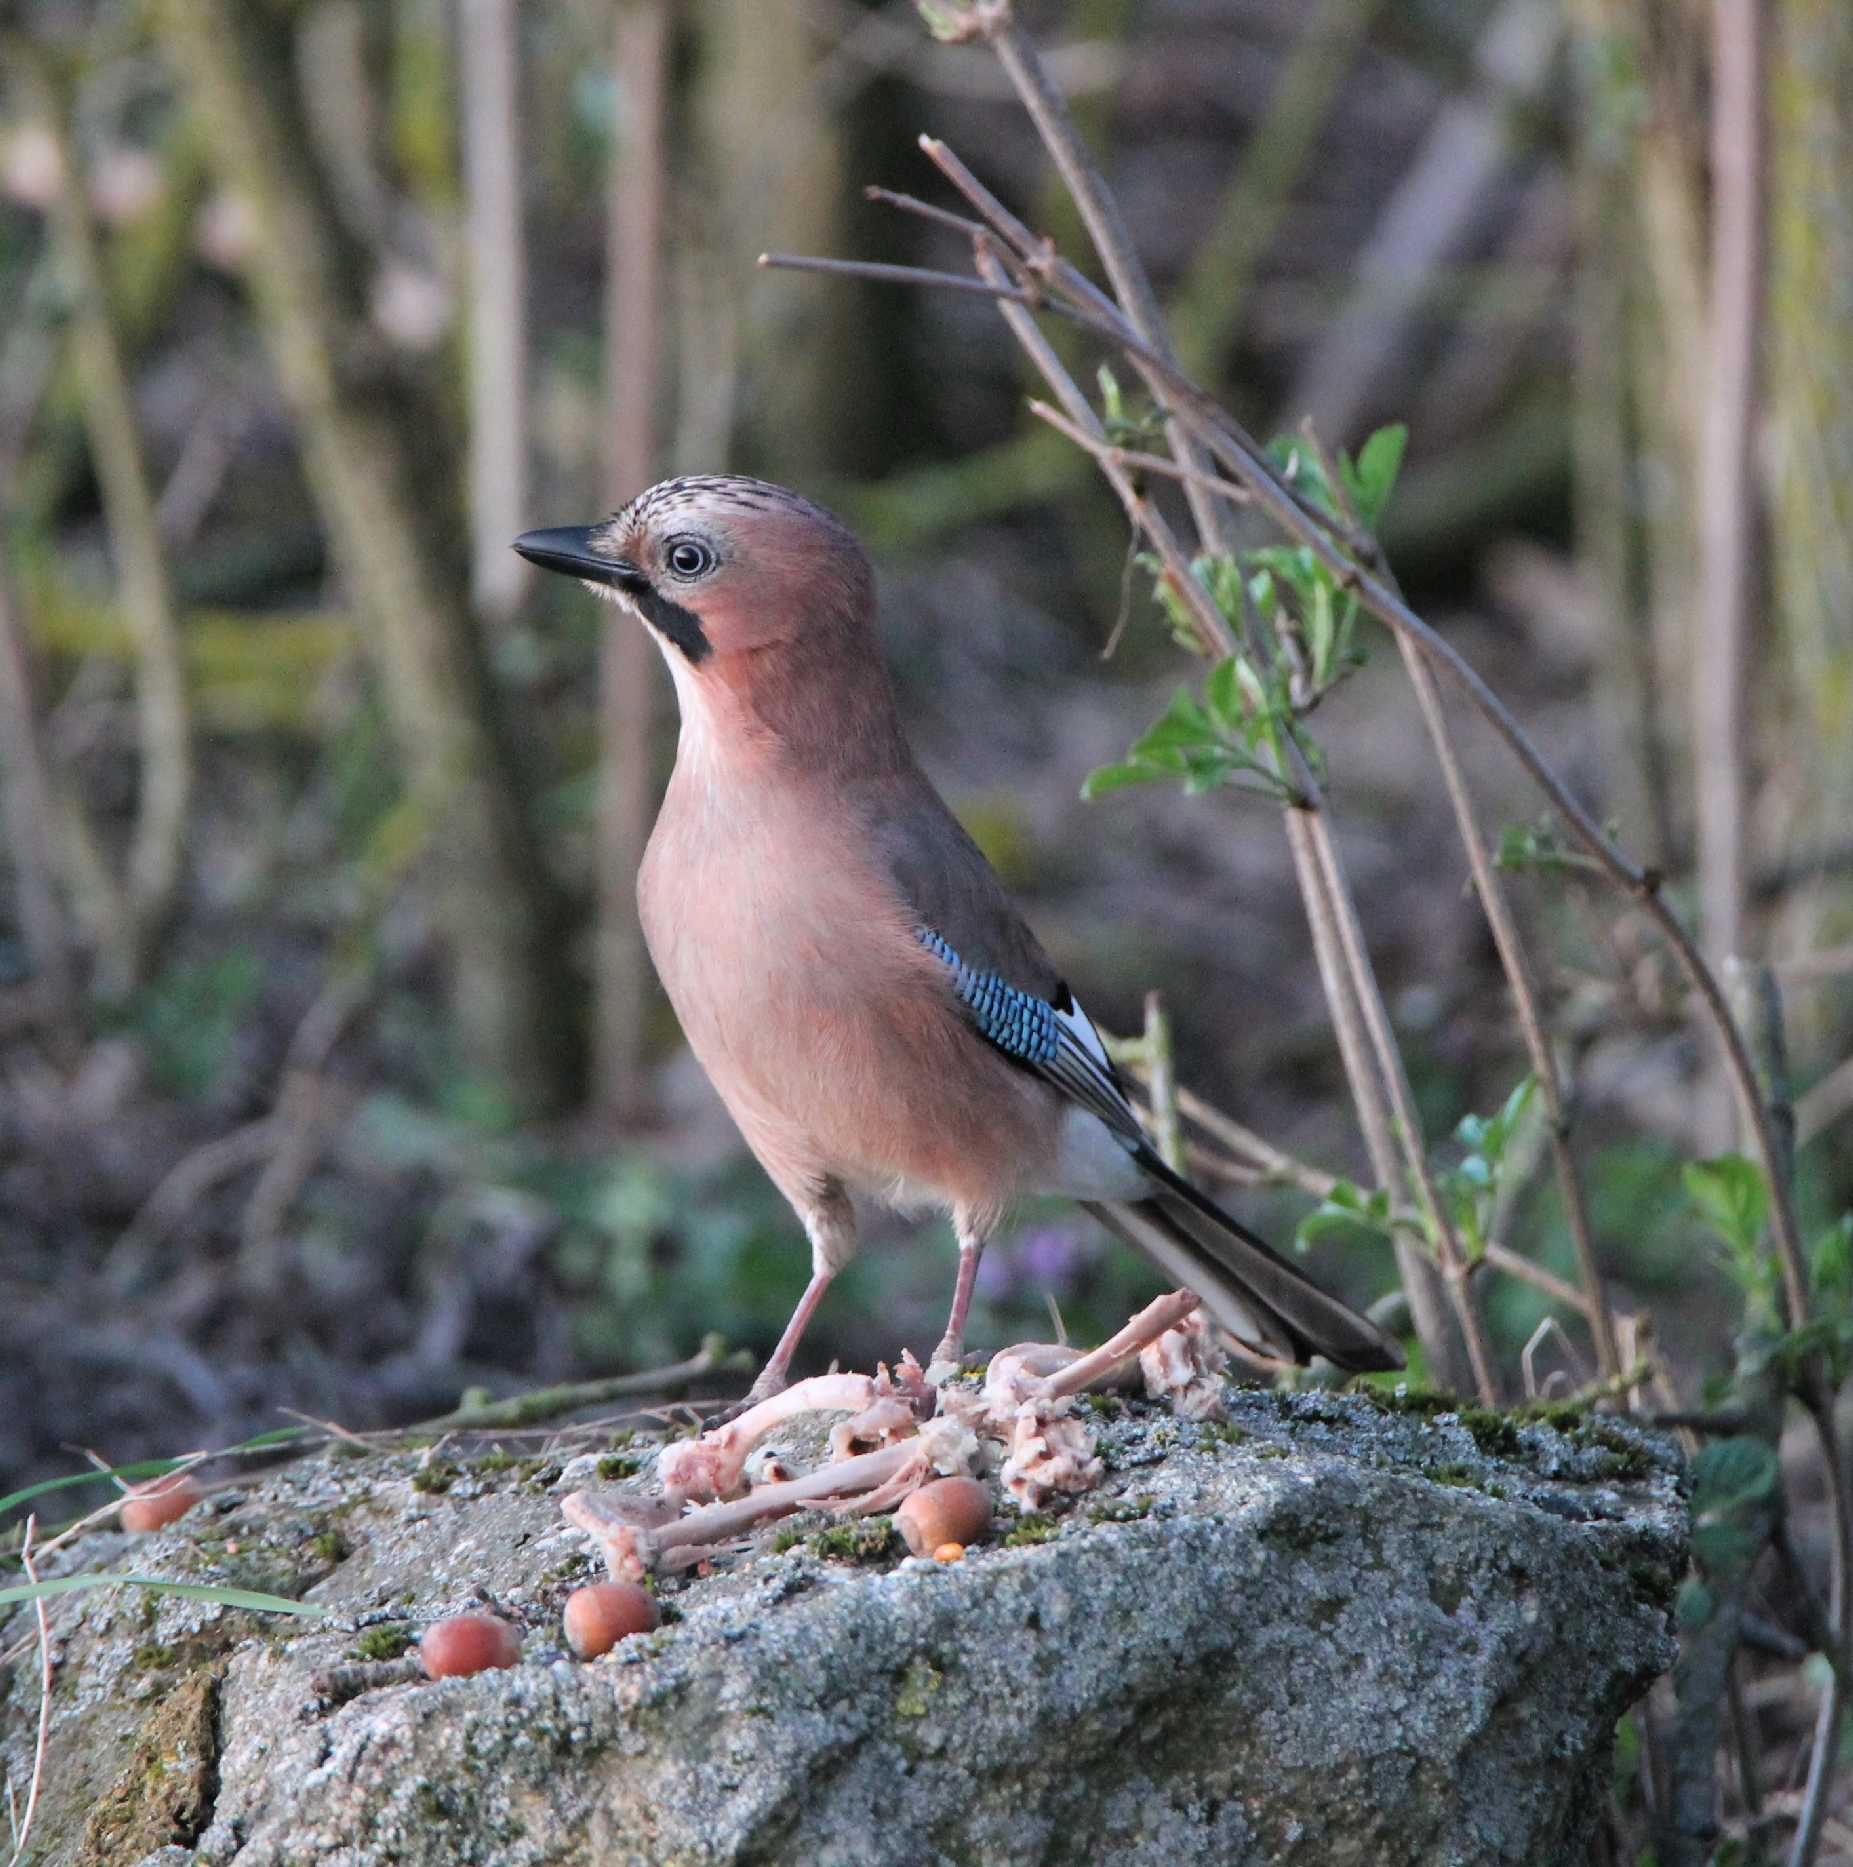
x,y
830,1033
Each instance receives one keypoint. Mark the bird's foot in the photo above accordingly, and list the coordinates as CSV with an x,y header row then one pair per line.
x,y
771,1381
948,1359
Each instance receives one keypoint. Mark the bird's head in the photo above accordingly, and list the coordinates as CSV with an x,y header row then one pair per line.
x,y
720,568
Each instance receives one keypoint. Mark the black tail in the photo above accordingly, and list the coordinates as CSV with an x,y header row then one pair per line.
x,y
1246,1284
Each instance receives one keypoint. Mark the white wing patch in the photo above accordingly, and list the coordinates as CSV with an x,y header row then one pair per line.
x,y
1082,1071
1076,1021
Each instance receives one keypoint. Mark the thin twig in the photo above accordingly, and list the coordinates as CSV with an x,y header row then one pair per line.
x,y
1137,462
1273,1162
1727,455
1512,958
884,274
1323,539
1211,625
1161,1062
1402,1101
28,1563
546,1403
1106,227
923,210
1503,1258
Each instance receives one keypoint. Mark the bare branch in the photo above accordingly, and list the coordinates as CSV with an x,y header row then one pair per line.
x,y
164,730
1342,555
1726,467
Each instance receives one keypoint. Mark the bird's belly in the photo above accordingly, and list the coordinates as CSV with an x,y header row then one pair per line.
x,y
834,1046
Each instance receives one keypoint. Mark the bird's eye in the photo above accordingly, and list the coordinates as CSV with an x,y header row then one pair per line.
x,y
688,558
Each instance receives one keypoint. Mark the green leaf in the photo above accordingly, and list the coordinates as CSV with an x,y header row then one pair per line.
x,y
1693,1605
193,1591
1513,1111
1183,724
1321,629
1733,1483
1105,778
146,1468
1226,692
1830,1266
1346,1208
1221,576
1718,1548
1490,1135
1531,846
1730,1193
1371,481
1112,405
1731,1473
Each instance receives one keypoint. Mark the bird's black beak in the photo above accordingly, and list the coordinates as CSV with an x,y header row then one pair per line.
x,y
568,549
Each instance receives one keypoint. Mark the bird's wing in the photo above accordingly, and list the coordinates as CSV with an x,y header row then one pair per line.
x,y
1006,984
1054,1038
1012,995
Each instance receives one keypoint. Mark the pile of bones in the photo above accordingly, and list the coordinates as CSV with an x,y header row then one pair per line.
x,y
903,1431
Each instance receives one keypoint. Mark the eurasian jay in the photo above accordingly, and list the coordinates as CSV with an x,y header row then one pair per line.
x,y
875,1014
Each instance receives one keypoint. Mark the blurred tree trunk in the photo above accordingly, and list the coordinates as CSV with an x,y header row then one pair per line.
x,y
379,471
774,167
26,808
1809,399
132,930
490,59
1645,392
1646,383
639,180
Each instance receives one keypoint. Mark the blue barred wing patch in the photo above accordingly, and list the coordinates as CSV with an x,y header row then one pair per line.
x,y
1019,1023
1057,1041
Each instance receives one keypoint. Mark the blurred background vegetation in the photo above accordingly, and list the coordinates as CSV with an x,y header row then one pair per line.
x,y
331,1074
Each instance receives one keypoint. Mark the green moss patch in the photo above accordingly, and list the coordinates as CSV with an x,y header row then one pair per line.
x,y
383,1643
866,1539
164,1794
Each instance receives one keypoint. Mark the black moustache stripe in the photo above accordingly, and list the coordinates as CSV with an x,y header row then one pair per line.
x,y
670,620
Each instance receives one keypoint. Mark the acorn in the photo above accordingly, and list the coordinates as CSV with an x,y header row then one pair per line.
x,y
468,1643
601,1614
949,1510
159,1502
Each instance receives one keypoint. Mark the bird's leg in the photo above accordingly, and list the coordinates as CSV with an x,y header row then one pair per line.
x,y
830,1223
773,1376
952,1344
